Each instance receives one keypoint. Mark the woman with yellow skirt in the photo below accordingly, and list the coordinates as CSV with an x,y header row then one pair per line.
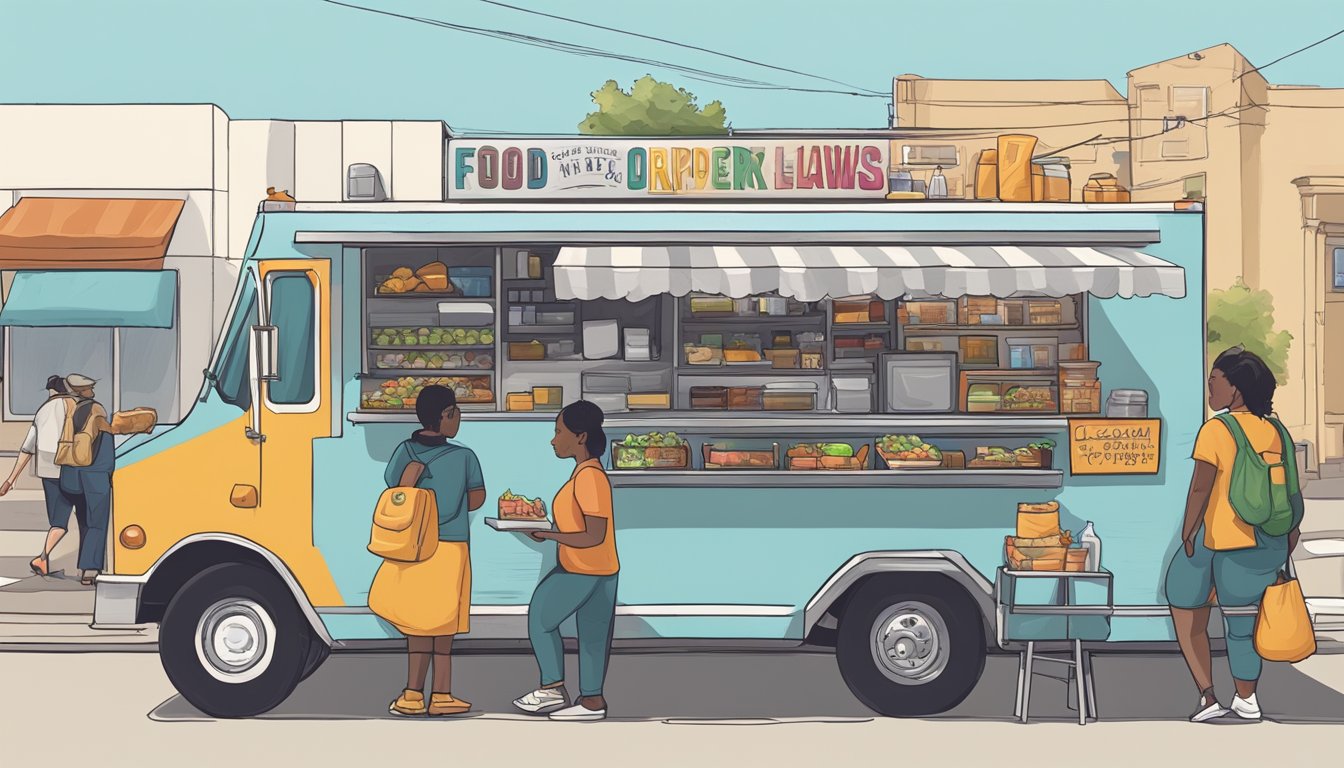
x,y
430,601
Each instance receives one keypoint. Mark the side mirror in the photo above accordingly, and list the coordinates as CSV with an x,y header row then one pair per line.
x,y
264,348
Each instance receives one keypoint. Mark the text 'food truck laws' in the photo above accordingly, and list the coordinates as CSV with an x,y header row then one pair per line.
x,y
558,169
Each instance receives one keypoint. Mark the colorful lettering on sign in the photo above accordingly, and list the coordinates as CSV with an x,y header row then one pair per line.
x,y
719,160
536,170
624,168
871,175
637,169
488,176
1115,446
658,170
700,167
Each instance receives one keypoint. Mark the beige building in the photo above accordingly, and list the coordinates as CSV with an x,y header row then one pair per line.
x,y
1204,126
219,169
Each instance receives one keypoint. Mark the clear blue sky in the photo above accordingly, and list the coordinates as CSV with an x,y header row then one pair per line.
x,y
309,59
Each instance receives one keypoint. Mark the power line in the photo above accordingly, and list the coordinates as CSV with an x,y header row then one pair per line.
x,y
561,46
684,45
1290,55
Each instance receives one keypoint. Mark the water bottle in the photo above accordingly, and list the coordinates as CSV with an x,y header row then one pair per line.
x,y
1089,538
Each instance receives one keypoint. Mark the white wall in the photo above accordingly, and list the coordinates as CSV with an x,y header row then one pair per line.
x,y
318,174
110,146
418,161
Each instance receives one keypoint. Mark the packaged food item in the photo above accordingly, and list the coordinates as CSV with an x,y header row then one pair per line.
x,y
648,401
831,456
704,305
434,275
909,452
547,398
1038,520
709,398
735,458
519,401
744,398
785,358
655,450
1104,188
527,350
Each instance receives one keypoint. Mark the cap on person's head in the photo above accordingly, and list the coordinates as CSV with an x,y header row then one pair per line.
x,y
78,380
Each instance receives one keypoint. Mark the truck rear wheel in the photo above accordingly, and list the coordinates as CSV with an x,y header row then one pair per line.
x,y
233,642
910,645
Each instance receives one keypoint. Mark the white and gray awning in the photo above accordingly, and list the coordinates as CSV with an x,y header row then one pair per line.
x,y
815,272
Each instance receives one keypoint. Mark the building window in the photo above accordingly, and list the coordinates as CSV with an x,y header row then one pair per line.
x,y
134,367
1194,187
1190,101
294,314
929,154
1338,272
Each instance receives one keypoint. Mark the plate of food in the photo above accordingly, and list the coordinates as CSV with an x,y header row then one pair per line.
x,y
519,513
909,452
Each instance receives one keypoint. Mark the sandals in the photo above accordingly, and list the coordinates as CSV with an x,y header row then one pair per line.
x,y
87,578
40,566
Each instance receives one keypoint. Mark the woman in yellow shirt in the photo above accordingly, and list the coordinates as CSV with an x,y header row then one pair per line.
x,y
583,585
1222,555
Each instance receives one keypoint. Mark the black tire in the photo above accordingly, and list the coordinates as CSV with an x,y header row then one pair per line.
x,y
229,591
933,605
318,651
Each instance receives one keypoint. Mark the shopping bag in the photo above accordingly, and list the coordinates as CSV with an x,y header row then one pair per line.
x,y
1283,629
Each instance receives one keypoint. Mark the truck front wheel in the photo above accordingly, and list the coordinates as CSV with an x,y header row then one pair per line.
x,y
910,645
233,641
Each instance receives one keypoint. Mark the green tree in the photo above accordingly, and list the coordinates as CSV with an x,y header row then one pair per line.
x,y
651,108
1240,315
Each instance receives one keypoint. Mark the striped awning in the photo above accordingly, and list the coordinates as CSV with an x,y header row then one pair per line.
x,y
87,233
815,272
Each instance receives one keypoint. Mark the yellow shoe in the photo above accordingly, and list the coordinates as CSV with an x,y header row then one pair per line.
x,y
408,704
441,704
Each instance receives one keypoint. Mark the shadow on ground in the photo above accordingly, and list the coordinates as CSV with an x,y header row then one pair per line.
x,y
762,689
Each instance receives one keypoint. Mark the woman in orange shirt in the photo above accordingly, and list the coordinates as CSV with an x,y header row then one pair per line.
x,y
583,585
1219,552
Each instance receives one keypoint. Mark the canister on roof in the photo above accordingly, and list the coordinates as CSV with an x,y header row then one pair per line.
x,y
987,175
1014,155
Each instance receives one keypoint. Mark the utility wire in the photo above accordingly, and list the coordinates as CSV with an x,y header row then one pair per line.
x,y
1290,55
684,45
561,46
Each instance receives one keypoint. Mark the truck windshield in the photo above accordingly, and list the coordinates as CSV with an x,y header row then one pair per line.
x,y
231,371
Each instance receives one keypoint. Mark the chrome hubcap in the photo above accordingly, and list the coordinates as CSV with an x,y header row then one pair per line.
x,y
909,643
234,640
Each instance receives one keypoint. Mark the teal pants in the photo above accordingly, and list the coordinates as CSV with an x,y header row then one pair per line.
x,y
1240,577
591,600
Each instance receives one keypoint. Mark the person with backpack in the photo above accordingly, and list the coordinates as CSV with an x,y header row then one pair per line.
x,y
87,456
43,435
429,600
1242,518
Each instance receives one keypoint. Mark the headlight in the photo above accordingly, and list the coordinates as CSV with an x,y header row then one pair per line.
x,y
132,537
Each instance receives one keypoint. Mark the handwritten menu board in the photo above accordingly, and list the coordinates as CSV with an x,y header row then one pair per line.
x,y
1115,446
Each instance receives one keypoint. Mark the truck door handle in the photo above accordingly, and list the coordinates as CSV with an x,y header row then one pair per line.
x,y
252,434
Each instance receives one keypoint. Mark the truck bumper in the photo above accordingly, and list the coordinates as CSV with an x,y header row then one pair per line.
x,y
116,601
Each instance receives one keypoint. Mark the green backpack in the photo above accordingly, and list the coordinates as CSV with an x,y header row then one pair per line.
x,y
1274,508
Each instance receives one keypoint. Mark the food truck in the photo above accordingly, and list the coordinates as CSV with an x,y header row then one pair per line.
x,y
824,415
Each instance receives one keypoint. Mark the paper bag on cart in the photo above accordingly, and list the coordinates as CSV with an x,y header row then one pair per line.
x,y
1038,520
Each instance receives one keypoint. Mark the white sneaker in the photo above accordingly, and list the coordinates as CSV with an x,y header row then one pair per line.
x,y
1209,709
579,713
1246,709
542,700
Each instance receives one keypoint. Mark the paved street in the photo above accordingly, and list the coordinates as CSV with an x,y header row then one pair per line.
x,y
670,708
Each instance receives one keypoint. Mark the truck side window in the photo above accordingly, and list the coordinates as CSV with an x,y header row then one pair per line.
x,y
293,313
232,373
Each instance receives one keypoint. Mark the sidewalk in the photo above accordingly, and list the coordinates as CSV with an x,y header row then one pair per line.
x,y
52,611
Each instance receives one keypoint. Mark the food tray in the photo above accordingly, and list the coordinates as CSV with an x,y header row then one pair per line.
x,y
894,463
662,457
855,463
772,453
500,524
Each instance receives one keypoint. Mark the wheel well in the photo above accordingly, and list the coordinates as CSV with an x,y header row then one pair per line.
x,y
824,633
171,574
